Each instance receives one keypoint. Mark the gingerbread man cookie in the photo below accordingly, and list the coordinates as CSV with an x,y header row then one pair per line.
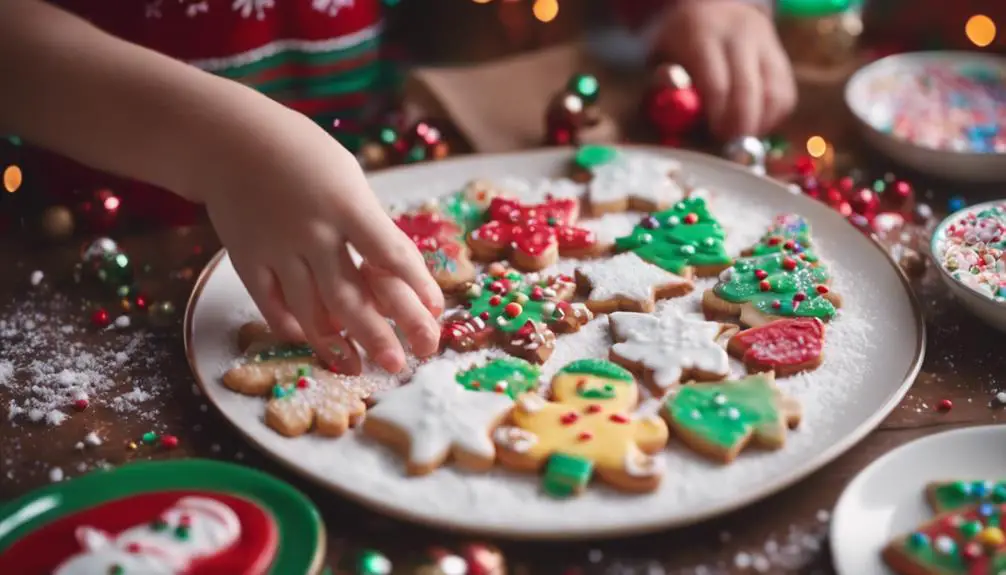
x,y
588,427
720,419
329,403
785,346
627,283
620,181
268,360
670,349
533,236
968,541
439,241
433,418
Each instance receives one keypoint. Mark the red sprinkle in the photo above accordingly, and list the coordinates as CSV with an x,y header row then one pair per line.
x,y
593,408
169,442
513,309
691,218
761,274
799,296
499,388
496,287
618,418
484,316
495,300
945,405
476,384
789,264
774,240
133,548
302,383
822,289
790,244
764,285
537,294
569,418
585,436
776,304
80,404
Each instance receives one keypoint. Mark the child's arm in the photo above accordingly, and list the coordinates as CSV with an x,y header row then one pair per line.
x,y
283,196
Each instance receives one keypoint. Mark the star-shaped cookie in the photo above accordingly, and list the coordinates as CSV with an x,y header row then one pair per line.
x,y
628,283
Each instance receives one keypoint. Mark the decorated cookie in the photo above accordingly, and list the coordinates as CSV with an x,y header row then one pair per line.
x,y
946,496
619,181
965,542
625,282
433,418
440,241
268,360
533,236
669,349
518,313
588,427
467,207
318,399
776,285
788,233
683,239
190,517
720,419
510,376
785,346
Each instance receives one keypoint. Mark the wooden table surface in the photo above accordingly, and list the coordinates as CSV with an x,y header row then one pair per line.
x,y
783,534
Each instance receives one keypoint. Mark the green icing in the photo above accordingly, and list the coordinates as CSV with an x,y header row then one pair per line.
x,y
725,414
682,236
598,368
284,352
788,233
536,300
786,276
959,494
592,156
506,375
566,475
465,213
943,545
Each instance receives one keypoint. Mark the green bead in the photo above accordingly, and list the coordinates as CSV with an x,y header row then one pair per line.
x,y
387,135
592,156
971,528
278,391
999,493
566,475
586,87
879,186
149,437
811,8
182,532
373,563
415,154
304,371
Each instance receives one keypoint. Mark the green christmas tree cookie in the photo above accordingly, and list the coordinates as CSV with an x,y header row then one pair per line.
x,y
682,239
511,376
720,419
955,495
788,233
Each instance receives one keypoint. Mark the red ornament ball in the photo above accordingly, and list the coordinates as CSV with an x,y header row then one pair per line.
x,y
674,112
902,189
864,201
169,442
100,318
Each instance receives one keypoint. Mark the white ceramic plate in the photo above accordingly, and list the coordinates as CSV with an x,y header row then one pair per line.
x,y
873,352
887,498
978,303
870,111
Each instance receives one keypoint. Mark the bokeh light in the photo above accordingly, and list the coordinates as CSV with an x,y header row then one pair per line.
x,y
545,10
981,30
12,179
816,146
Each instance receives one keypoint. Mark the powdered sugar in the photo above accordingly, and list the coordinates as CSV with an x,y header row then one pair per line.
x,y
857,381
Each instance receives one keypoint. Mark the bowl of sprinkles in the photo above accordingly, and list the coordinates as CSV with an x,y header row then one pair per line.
x,y
969,248
942,113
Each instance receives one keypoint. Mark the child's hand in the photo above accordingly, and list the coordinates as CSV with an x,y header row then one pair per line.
x,y
739,67
285,204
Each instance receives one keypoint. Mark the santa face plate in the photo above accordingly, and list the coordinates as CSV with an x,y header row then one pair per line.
x,y
197,518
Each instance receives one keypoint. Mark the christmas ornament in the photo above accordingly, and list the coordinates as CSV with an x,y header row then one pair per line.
x,y
484,560
671,104
573,116
586,87
428,137
864,202
161,314
57,223
749,151
372,562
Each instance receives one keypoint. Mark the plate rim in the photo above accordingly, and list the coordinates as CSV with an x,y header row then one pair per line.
x,y
798,474
864,473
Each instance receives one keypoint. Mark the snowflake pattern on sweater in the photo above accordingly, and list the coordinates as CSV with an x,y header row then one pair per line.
x,y
256,9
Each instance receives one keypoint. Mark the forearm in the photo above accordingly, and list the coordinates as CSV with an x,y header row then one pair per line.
x,y
71,88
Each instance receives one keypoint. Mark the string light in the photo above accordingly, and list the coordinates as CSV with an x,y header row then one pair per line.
x,y
816,146
12,179
482,1
545,10
981,30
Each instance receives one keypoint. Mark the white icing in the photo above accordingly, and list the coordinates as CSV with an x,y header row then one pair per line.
x,y
667,345
639,464
626,276
439,414
648,178
212,528
531,403
515,439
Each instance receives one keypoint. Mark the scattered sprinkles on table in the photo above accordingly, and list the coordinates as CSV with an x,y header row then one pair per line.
x,y
971,249
943,106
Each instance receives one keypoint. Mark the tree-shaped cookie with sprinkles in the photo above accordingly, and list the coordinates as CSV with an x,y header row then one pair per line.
x,y
520,314
618,181
718,420
532,236
946,496
434,418
587,428
684,240
968,541
509,375
785,279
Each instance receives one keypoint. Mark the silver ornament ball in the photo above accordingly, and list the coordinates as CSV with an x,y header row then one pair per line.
x,y
748,151
99,248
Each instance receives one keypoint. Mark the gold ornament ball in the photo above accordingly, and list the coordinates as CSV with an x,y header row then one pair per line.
x,y
57,223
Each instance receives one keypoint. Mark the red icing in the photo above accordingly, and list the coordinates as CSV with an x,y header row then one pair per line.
x,y
42,550
781,343
569,418
534,229
619,418
431,232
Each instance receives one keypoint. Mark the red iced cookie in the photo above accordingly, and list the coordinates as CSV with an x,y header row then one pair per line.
x,y
439,240
785,346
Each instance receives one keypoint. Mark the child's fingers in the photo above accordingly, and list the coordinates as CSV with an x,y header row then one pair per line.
x,y
712,78
264,289
742,115
297,286
780,89
347,299
402,305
